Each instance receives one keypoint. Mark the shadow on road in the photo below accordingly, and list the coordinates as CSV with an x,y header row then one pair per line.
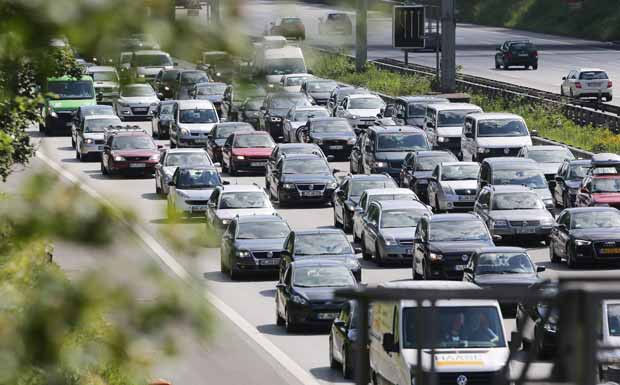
x,y
268,293
182,221
327,374
70,160
152,197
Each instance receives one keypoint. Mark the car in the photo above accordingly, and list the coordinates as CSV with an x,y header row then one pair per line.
x,y
185,82
190,189
214,92
282,149
514,212
249,110
163,117
227,202
140,41
90,135
124,61
271,64
107,83
334,135
253,245
246,151
193,122
382,149
164,83
444,124
304,294
318,90
497,268
274,109
586,235
568,181
516,53
548,157
293,82
335,23
453,186
587,83
83,111
604,164
129,150
375,195
343,339
411,110
539,337
221,132
322,245
136,101
340,93
297,117
289,27
360,109
599,190
146,64
388,229
444,243
348,193
173,158
493,134
300,178
219,65
418,168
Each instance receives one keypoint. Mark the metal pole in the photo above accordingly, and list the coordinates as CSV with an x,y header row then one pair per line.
x,y
406,57
437,42
215,11
448,49
362,372
361,41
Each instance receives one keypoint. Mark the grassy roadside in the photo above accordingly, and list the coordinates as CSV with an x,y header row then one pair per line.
x,y
549,121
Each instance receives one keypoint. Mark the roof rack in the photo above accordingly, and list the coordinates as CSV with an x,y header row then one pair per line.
x,y
111,130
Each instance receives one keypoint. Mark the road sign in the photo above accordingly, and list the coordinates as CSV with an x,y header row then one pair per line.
x,y
408,27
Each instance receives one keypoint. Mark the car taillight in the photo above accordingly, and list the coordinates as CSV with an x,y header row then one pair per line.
x,y
535,53
609,84
577,85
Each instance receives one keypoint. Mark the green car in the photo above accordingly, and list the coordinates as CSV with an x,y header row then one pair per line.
x,y
64,95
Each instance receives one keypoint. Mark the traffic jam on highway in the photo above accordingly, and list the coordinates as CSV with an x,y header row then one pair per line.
x,y
434,184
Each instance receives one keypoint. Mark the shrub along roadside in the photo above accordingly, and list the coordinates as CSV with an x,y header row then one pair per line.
x,y
549,121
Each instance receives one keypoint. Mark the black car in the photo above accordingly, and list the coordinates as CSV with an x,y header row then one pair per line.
x,y
323,245
568,180
537,334
502,268
289,27
275,107
305,293
219,134
289,148
411,110
301,178
253,244
343,340
334,135
163,117
444,243
164,83
213,92
516,53
586,235
348,193
318,90
418,167
249,111
185,81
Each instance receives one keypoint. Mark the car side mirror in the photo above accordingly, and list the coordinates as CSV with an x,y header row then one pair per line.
x,y
497,237
430,125
563,77
171,184
160,95
225,182
175,64
540,269
339,324
211,204
468,270
106,148
334,171
562,227
357,249
552,184
388,343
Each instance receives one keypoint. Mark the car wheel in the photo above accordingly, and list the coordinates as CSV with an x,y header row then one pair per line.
x,y
535,67
72,143
552,255
104,171
378,257
347,371
346,225
506,67
234,275
231,169
279,319
289,323
332,361
571,260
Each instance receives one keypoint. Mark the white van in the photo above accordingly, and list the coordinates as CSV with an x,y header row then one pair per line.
x,y
274,63
193,121
444,124
470,342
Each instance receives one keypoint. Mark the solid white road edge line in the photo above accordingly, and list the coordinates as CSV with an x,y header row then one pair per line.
x,y
291,366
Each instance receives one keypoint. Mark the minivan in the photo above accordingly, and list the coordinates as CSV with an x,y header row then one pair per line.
x,y
443,124
493,134
193,121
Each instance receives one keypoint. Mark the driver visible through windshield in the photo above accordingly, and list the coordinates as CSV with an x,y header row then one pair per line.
x,y
504,263
253,141
520,201
263,230
529,178
197,179
460,172
502,127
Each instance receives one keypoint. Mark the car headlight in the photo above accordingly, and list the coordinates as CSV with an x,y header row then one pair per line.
x,y
447,190
185,131
154,104
182,194
288,186
582,242
441,139
298,299
51,111
240,157
435,257
551,327
225,222
242,254
499,223
390,241
275,119
118,158
332,185
141,76
482,150
351,141
88,141
154,157
218,74
167,88
380,164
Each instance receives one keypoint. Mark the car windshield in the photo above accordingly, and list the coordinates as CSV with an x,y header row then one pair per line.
x,y
285,66
401,218
98,109
212,89
170,75
605,185
359,186
521,47
303,116
263,230
529,178
196,179
197,115
105,76
99,125
502,128
463,230
166,109
593,75
326,276
550,156
578,171
321,86
322,244
188,159
458,327
460,172
193,77
613,319
368,103
224,132
253,141
132,142
138,91
243,200
504,263
428,163
401,142
289,101
78,89
331,126
417,110
305,166
453,118
154,60
517,201
254,104
295,80
596,220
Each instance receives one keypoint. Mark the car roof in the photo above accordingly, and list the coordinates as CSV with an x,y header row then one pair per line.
x,y
315,79
433,285
393,129
319,231
100,69
296,145
302,156
590,209
131,133
454,217
365,95
511,188
317,262
239,133
259,218
494,115
102,116
240,187
370,177
445,164
185,150
590,70
501,249
389,190
546,147
421,98
298,75
401,204
509,159
454,106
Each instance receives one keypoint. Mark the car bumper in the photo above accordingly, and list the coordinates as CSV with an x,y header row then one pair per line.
x,y
192,141
516,61
524,232
146,166
446,270
456,202
192,207
313,315
397,253
301,196
135,111
257,164
91,149
256,265
62,123
595,254
592,93
449,143
336,149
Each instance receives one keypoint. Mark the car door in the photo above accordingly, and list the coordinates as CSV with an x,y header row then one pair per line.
x,y
419,252
372,228
482,206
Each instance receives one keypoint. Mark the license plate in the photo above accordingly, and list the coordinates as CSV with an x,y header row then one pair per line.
x,y
137,165
467,198
200,141
258,164
326,315
268,262
99,148
409,251
336,147
311,193
526,230
140,110
199,208
596,84
523,55
611,250
459,267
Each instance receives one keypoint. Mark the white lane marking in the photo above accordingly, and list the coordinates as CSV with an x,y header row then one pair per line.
x,y
291,366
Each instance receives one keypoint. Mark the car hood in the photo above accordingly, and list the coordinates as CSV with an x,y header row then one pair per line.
x,y
259,151
399,232
449,131
468,184
320,95
365,112
135,152
459,247
516,215
543,192
139,99
316,293
334,135
549,168
204,128
231,213
292,88
198,194
151,71
606,198
169,170
211,98
417,122
597,234
521,279
391,155
503,142
260,244
106,84
307,178
94,135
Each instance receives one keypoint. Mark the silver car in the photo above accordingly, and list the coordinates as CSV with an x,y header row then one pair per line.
x,y
513,211
90,135
137,101
107,83
453,186
146,64
190,190
297,117
175,158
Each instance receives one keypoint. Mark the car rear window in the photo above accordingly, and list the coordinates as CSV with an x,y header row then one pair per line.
x,y
522,47
592,75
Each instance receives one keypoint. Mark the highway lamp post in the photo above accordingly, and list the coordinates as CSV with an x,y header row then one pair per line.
x,y
448,53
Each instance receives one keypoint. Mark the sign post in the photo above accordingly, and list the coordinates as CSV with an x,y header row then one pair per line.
x,y
408,27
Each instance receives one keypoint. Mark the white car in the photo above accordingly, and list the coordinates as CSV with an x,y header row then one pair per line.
x,y
193,121
174,158
361,110
190,190
90,135
453,186
107,83
297,117
587,83
293,82
137,101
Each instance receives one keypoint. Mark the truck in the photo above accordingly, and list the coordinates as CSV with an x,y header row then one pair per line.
x,y
63,96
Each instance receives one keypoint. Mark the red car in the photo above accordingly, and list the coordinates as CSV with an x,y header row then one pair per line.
x,y
246,151
129,152
599,190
